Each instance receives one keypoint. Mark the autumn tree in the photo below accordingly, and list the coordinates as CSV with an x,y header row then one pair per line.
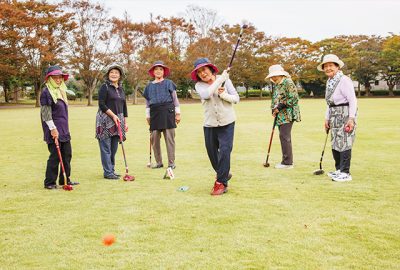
x,y
390,62
177,37
12,19
35,37
90,45
128,43
43,40
368,69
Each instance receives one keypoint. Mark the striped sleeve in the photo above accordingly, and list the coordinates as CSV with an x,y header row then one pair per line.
x,y
45,112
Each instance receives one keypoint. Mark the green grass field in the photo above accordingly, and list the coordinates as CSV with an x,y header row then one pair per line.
x,y
270,219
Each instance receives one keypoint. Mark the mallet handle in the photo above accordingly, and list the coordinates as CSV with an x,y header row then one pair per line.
x,y
61,161
270,139
234,52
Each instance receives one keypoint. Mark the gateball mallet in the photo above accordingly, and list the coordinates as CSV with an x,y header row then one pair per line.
x,y
320,170
127,177
65,186
149,164
266,164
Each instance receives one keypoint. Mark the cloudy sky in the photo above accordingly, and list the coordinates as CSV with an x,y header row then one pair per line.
x,y
309,19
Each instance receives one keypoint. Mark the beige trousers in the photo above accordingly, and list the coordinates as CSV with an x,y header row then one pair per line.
x,y
169,137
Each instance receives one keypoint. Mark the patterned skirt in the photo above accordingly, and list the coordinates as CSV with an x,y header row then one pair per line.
x,y
106,128
340,139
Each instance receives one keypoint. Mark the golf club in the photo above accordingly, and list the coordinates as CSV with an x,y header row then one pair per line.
x,y
149,164
321,171
244,26
266,164
65,186
127,177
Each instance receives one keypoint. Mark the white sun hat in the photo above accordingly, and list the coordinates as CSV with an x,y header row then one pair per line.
x,y
276,70
330,58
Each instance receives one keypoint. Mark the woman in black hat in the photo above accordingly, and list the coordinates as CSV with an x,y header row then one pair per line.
x,y
54,116
112,112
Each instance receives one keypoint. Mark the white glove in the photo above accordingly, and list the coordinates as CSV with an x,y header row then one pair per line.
x,y
225,75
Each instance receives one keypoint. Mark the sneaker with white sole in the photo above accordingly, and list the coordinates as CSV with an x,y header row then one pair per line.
x,y
342,177
283,166
333,174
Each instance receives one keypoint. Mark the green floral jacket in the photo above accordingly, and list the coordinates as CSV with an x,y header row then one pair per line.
x,y
286,93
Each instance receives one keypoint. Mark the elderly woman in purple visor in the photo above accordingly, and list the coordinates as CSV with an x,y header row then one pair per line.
x,y
54,116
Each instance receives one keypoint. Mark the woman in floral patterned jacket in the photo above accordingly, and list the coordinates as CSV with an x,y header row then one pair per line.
x,y
285,108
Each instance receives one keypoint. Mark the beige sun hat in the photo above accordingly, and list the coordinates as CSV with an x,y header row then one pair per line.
x,y
330,58
276,70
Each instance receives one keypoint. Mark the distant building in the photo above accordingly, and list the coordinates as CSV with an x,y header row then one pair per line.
x,y
376,85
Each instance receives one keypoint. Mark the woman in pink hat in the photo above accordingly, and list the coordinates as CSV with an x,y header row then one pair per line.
x,y
54,116
162,112
219,118
340,117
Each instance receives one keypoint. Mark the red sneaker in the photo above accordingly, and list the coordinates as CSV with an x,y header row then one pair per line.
x,y
218,189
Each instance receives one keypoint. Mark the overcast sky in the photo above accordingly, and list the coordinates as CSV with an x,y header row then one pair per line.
x,y
309,19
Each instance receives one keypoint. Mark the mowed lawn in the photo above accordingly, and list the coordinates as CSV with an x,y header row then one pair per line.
x,y
269,219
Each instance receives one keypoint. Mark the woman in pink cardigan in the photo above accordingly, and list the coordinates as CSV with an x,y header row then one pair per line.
x,y
340,116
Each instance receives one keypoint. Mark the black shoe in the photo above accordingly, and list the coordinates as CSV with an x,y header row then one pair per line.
x,y
72,183
111,177
117,174
51,187
157,166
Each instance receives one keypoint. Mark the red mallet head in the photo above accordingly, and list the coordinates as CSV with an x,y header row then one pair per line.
x,y
108,239
67,187
128,177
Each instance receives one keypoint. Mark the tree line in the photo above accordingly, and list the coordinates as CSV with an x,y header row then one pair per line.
x,y
81,36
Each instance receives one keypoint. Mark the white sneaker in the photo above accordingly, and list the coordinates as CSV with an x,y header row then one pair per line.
x,y
333,174
342,177
283,166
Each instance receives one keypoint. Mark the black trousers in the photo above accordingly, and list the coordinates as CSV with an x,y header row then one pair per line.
x,y
342,160
285,136
53,168
219,144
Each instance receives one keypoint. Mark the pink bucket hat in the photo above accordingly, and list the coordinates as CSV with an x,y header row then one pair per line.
x,y
54,71
202,62
159,64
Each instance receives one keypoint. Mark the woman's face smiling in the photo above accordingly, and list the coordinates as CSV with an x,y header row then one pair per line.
x,y
205,74
158,72
114,75
330,69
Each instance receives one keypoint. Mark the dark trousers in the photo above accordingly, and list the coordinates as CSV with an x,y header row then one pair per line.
x,y
342,160
285,136
53,168
219,143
